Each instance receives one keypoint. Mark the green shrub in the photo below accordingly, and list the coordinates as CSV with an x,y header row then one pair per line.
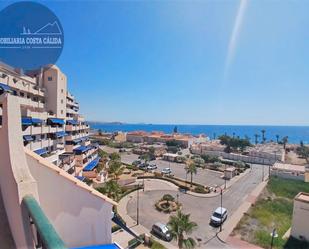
x,y
201,190
156,245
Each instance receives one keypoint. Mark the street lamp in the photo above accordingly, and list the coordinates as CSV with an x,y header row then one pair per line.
x,y
221,194
225,177
177,197
273,235
137,205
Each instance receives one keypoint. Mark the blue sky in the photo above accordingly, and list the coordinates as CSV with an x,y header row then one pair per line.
x,y
188,62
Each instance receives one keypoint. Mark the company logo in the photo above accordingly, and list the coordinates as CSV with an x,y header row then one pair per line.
x,y
31,36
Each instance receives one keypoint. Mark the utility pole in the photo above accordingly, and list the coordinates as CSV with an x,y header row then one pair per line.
x,y
224,178
221,194
137,206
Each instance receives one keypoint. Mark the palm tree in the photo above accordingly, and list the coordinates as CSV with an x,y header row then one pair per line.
x,y
263,135
115,169
112,189
256,138
191,169
181,226
115,156
277,137
285,141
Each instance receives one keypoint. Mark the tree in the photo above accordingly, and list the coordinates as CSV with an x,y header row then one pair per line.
x,y
277,138
100,132
191,169
114,156
115,169
256,138
112,189
285,141
180,227
102,153
175,129
263,136
233,143
303,151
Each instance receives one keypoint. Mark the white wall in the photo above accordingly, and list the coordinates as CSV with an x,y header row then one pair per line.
x,y
300,220
15,178
79,217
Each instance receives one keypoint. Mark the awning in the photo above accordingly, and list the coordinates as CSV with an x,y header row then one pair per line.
x,y
37,121
72,122
60,134
77,140
90,166
56,121
5,87
81,149
107,246
28,138
81,178
41,151
26,121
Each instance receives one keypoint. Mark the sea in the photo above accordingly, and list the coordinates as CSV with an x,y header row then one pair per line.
x,y
295,133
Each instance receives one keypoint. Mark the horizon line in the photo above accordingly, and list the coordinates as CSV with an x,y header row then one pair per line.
x,y
197,124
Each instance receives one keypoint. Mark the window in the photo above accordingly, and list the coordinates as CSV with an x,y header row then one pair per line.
x,y
61,90
62,101
49,78
61,111
22,94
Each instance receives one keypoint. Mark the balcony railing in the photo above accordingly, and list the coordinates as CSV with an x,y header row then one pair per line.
x,y
43,233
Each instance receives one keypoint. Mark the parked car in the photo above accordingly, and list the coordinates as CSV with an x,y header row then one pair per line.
x,y
166,171
161,231
152,167
219,215
143,165
136,162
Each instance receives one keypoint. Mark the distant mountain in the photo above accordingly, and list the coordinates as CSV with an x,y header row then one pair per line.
x,y
105,123
50,28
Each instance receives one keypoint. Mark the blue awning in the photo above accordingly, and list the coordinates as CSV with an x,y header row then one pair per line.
x,y
90,166
72,122
81,149
77,140
5,87
41,151
37,121
81,178
28,138
26,121
60,134
56,121
107,246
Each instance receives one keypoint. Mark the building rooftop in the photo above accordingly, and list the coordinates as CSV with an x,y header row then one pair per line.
x,y
304,197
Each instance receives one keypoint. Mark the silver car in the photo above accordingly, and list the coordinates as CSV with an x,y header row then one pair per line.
x,y
161,231
219,216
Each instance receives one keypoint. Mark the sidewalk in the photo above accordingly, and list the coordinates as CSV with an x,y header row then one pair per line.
x,y
238,214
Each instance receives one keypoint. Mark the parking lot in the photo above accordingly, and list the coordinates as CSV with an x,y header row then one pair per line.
x,y
203,176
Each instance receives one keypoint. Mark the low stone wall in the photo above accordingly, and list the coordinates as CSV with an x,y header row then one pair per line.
x,y
243,158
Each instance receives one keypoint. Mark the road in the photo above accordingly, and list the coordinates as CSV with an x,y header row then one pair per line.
x,y
199,208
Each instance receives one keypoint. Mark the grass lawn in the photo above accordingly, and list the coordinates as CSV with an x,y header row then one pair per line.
x,y
274,209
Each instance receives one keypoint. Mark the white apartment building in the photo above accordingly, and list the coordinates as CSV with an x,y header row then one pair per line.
x,y
51,124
